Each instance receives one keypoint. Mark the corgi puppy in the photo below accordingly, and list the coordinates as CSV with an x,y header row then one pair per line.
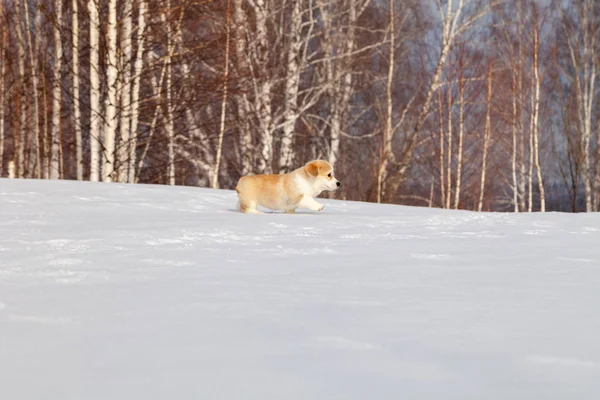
x,y
287,192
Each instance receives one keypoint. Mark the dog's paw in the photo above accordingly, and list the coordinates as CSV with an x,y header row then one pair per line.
x,y
321,208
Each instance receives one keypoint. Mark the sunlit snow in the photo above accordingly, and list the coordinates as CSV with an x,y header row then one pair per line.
x,y
111,291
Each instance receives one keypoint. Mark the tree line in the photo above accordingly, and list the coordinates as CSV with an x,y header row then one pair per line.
x,y
464,104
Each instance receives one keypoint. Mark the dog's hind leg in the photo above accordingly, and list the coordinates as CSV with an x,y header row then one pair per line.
x,y
247,206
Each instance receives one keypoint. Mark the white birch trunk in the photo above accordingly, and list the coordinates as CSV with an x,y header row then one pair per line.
x,y
110,122
240,21
46,117
168,94
135,95
76,108
521,125
536,108
387,132
597,190
292,83
449,159
515,186
486,138
343,91
56,96
442,151
461,125
531,145
215,177
586,100
123,162
95,120
2,72
34,80
330,80
584,65
20,150
263,101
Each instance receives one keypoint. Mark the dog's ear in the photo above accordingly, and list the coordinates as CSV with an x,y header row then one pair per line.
x,y
312,169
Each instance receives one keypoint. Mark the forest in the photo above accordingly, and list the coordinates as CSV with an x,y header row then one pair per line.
x,y
462,104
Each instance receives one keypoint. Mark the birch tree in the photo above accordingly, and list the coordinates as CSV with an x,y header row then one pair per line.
x,y
263,85
449,159
76,108
240,21
125,143
34,80
215,177
195,149
461,128
535,116
95,121
339,69
292,83
135,93
456,18
486,137
442,150
3,33
110,122
56,94
20,148
169,127
581,33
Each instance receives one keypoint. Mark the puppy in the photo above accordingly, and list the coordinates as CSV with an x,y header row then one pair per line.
x,y
287,192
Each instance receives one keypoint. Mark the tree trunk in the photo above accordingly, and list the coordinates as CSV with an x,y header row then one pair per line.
x,y
240,21
215,177
34,75
461,120
3,32
95,118
515,186
56,96
486,138
292,83
168,92
76,109
535,118
342,82
449,159
531,148
124,162
387,132
263,101
442,151
110,123
20,147
520,113
135,95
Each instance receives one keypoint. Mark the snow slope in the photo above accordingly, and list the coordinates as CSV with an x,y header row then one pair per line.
x,y
112,291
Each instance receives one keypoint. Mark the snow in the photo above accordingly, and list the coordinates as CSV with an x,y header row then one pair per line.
x,y
111,291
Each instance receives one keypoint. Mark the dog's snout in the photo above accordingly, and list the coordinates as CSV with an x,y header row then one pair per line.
x,y
338,183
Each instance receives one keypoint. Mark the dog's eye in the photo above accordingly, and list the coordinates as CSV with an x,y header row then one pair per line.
x,y
329,175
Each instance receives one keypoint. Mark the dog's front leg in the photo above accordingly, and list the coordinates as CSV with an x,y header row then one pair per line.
x,y
310,203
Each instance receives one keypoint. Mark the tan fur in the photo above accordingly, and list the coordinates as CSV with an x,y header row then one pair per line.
x,y
286,192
